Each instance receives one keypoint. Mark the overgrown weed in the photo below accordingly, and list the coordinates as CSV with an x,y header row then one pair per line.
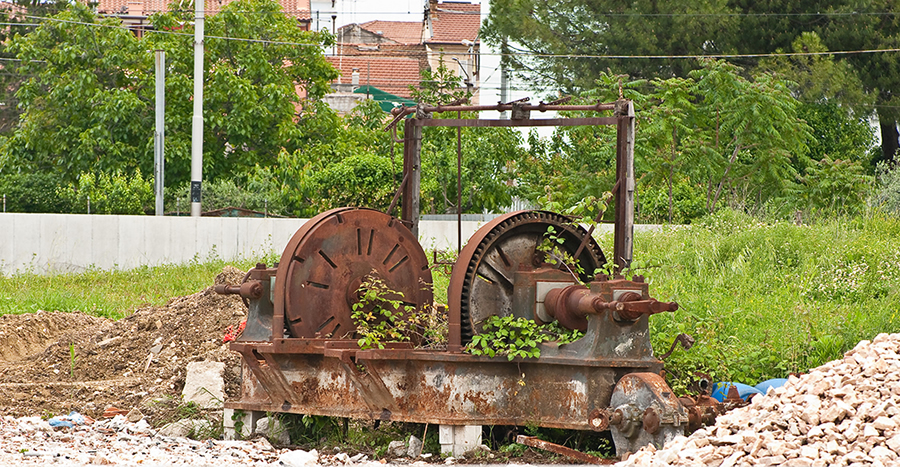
x,y
763,299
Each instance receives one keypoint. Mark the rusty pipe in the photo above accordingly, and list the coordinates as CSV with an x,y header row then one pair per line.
x,y
633,307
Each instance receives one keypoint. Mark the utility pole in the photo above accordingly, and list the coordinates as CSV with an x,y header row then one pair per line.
x,y
159,138
197,119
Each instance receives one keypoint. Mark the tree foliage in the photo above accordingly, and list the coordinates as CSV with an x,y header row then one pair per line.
x,y
88,102
564,44
715,134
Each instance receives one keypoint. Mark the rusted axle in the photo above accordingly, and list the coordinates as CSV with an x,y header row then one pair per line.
x,y
569,305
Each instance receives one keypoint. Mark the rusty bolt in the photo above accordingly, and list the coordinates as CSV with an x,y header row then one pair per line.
x,y
617,418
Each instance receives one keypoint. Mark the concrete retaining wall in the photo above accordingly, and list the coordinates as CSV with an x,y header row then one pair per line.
x,y
57,243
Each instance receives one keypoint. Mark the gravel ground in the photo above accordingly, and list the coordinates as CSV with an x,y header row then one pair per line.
x,y
32,441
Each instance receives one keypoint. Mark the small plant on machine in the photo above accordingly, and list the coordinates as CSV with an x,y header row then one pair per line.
x,y
381,315
514,337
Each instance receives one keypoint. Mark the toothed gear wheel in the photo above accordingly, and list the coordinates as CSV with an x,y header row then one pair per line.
x,y
482,281
325,262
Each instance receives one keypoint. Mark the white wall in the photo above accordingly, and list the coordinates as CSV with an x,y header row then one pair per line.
x,y
59,243
74,242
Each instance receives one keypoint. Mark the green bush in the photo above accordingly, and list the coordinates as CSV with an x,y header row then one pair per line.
x,y
33,192
887,189
115,193
260,192
688,203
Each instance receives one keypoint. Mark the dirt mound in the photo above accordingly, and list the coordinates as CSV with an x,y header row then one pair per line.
x,y
70,361
27,334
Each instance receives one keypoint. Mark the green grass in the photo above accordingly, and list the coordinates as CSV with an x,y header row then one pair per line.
x,y
766,299
110,294
761,299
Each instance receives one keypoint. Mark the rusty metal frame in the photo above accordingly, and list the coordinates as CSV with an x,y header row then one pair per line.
x,y
569,386
623,118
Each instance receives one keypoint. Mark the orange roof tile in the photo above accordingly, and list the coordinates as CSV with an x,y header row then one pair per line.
x,y
402,32
390,74
453,22
299,9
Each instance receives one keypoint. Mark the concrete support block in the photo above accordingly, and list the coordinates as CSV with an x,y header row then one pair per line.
x,y
246,419
459,440
204,384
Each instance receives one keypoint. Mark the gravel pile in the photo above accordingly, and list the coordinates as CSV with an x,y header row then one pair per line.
x,y
846,412
32,441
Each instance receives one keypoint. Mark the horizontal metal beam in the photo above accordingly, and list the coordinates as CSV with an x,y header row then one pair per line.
x,y
480,122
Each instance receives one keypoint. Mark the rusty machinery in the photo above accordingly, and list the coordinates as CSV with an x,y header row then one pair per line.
x,y
300,355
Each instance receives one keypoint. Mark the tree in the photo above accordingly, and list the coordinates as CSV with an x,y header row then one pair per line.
x,y
251,85
89,105
565,44
18,19
872,25
86,104
752,132
734,136
549,39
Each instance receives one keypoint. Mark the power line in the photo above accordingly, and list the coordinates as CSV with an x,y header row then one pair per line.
x,y
175,33
521,53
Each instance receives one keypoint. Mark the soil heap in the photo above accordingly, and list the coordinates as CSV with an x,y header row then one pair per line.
x,y
53,362
846,412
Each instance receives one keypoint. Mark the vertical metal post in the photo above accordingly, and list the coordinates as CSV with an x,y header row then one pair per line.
x,y
412,153
504,97
89,204
4,203
197,119
159,137
458,185
623,245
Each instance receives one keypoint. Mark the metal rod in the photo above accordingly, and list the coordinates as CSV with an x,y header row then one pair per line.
x,y
624,228
479,122
397,194
458,185
556,448
597,219
542,107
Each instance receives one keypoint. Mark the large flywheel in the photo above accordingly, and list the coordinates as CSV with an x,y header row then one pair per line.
x,y
325,262
483,280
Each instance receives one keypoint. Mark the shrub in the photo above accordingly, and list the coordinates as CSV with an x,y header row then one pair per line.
x,y
887,189
259,193
114,193
33,192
